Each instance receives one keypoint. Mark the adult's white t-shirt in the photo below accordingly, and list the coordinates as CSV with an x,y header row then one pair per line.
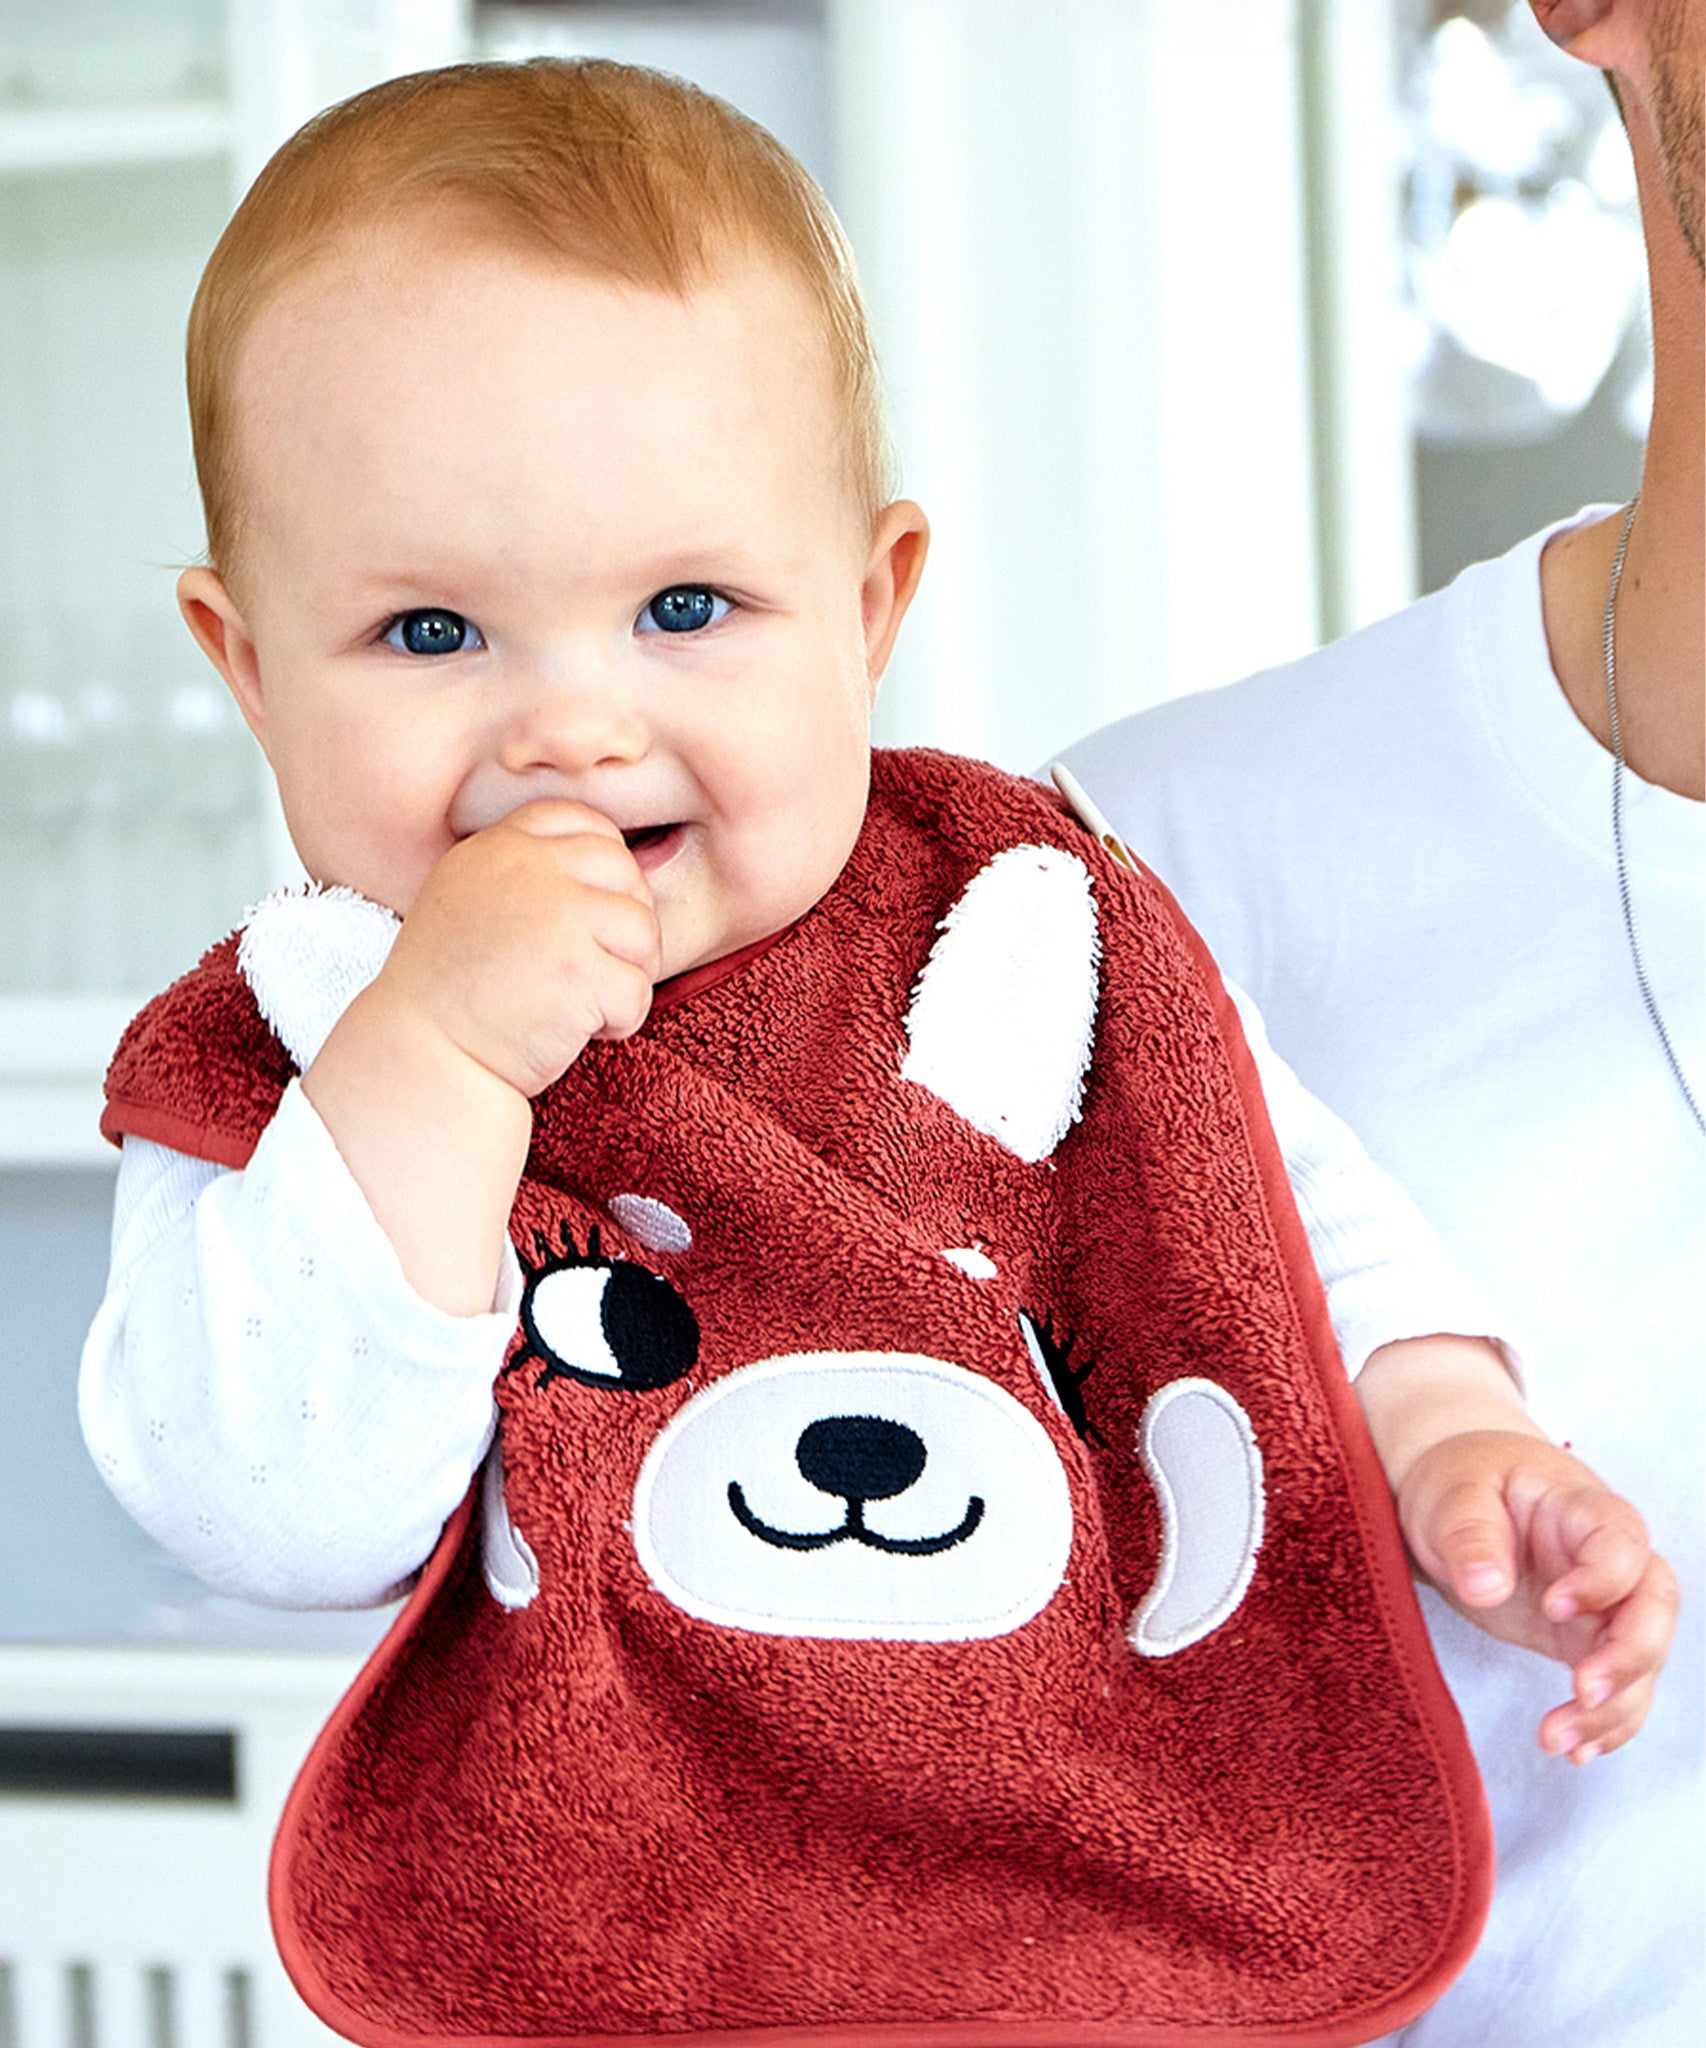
x,y
1401,846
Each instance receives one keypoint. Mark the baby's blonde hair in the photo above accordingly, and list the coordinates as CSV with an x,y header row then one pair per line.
x,y
618,172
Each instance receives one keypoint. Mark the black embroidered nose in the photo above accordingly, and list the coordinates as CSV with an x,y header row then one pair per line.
x,y
860,1457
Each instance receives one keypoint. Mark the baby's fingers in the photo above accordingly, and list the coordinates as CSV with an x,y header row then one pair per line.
x,y
1613,1683
1464,1539
1581,1734
1606,1542
1581,1731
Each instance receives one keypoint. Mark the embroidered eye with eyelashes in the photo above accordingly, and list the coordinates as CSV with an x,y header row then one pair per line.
x,y
1064,1382
604,1322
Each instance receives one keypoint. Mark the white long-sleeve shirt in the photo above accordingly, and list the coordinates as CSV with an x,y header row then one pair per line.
x,y
276,1405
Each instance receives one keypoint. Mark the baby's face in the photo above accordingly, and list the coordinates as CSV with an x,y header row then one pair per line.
x,y
510,532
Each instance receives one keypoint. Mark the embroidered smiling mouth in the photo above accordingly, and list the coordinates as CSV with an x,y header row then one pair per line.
x,y
853,1527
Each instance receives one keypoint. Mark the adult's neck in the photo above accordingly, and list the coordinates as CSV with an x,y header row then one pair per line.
x,y
1661,603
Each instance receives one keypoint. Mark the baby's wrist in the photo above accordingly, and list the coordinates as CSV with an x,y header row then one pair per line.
x,y
395,1051
424,1029
434,1139
1420,1392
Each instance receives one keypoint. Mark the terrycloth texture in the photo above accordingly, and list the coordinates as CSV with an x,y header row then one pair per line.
x,y
199,1069
840,1671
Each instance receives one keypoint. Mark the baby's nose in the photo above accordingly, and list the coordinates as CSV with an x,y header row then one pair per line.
x,y
566,723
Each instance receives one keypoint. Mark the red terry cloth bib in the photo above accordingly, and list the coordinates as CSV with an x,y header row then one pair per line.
x,y
937,1588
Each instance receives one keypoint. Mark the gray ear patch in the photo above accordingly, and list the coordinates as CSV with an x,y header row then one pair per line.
x,y
512,1571
1202,1458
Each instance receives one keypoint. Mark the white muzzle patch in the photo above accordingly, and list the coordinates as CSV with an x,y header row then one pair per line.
x,y
874,1495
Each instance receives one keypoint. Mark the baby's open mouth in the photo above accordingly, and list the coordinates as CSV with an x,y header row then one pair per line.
x,y
653,846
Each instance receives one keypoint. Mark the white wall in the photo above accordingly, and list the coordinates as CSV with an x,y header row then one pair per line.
x,y
1079,223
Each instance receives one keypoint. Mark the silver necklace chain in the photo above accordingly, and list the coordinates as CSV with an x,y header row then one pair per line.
x,y
1641,980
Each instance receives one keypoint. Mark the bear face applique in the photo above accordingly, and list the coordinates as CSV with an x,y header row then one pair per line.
x,y
845,1488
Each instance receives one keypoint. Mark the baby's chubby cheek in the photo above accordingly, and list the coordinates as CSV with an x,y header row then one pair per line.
x,y
368,855
387,859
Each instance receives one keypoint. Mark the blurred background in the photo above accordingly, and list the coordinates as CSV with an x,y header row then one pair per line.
x,y
1211,332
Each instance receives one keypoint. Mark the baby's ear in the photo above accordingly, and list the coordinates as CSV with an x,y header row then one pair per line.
x,y
211,613
899,542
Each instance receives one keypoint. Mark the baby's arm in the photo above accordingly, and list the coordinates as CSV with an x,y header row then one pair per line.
x,y
1521,1536
1384,1268
289,1379
261,1387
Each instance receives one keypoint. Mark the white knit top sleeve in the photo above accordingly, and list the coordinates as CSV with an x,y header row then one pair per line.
x,y
262,1388
1386,1270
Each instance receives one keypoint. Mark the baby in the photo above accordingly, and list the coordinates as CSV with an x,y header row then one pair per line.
x,y
648,1054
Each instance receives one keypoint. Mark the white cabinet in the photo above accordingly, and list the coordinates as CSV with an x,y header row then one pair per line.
x,y
137,1919
135,816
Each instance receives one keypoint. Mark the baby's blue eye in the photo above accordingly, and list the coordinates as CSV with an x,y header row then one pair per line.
x,y
432,630
683,608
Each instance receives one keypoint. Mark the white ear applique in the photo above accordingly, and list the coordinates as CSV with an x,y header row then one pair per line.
x,y
1202,1458
307,953
1003,1018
